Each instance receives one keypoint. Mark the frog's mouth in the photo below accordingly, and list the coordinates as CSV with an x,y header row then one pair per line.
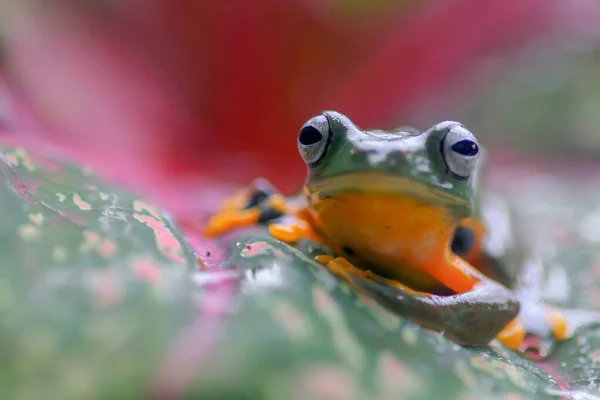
x,y
393,226
391,185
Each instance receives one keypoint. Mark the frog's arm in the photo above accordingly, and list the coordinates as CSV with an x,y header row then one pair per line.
x,y
503,255
260,202
472,318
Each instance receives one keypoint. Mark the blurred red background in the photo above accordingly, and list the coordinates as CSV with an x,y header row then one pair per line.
x,y
180,99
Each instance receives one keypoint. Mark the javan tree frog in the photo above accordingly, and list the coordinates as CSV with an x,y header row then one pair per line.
x,y
403,213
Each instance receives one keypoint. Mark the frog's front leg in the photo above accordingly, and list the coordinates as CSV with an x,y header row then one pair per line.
x,y
497,254
534,318
540,321
471,318
258,203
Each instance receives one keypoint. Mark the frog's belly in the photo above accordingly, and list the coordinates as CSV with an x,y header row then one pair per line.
x,y
395,236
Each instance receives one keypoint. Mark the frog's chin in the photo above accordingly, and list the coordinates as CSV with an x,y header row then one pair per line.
x,y
387,185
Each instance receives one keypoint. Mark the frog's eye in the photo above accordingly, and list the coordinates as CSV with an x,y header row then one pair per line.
x,y
460,151
313,140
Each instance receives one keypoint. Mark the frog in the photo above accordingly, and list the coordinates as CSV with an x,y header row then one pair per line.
x,y
408,223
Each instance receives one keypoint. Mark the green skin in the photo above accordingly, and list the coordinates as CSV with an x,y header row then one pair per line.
x,y
472,318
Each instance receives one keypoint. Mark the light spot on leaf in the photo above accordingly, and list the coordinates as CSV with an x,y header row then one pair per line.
x,y
326,382
487,366
87,170
107,292
36,218
11,158
514,374
296,323
59,254
90,241
29,231
466,375
108,248
167,243
255,249
79,202
139,206
61,197
147,271
324,303
93,241
396,380
409,334
26,160
343,340
103,196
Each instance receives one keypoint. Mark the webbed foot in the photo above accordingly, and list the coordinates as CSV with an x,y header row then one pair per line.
x,y
458,316
258,203
293,231
535,330
346,270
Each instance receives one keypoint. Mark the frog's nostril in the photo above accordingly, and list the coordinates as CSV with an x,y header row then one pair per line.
x,y
309,135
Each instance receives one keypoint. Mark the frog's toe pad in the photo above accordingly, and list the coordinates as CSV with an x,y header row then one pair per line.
x,y
339,266
559,324
514,335
293,231
226,221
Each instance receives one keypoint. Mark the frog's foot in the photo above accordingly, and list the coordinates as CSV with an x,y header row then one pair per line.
x,y
293,231
256,204
458,316
346,270
530,333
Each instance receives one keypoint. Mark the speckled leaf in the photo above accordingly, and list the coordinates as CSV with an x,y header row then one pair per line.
x,y
100,297
94,283
297,329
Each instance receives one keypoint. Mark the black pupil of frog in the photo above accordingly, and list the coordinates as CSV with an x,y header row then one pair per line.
x,y
309,135
466,148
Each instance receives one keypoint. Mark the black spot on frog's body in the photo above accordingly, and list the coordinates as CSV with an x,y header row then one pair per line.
x,y
261,191
268,213
259,195
463,241
349,251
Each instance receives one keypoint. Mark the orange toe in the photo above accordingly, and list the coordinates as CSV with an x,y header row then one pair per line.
x,y
285,232
513,334
559,324
228,220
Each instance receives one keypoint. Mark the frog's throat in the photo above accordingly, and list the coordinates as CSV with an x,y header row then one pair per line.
x,y
398,228
388,185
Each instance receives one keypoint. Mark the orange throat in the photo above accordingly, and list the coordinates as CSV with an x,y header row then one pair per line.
x,y
395,235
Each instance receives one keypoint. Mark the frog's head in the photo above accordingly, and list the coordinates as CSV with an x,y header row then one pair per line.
x,y
389,198
435,166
